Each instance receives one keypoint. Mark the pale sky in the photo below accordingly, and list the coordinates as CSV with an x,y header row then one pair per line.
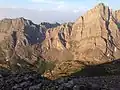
x,y
56,10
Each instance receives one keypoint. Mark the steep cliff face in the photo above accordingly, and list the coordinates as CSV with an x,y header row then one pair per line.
x,y
18,37
56,43
93,39
96,35
22,29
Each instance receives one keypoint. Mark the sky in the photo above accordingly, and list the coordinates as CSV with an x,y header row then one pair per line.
x,y
68,9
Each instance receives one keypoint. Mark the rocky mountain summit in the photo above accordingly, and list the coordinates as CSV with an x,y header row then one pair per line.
x,y
96,35
57,50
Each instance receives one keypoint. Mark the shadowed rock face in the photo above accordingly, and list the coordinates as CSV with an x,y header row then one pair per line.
x,y
49,25
92,39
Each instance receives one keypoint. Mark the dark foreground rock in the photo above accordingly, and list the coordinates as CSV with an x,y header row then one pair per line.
x,y
33,81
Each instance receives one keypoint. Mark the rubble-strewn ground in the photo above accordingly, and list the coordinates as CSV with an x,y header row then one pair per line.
x,y
34,81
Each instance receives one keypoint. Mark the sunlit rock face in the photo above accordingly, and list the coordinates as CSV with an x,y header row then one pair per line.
x,y
56,44
18,39
96,35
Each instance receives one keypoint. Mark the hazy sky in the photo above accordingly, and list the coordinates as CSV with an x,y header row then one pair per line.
x,y
73,8
57,4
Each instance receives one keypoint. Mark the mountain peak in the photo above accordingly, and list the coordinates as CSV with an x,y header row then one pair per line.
x,y
101,4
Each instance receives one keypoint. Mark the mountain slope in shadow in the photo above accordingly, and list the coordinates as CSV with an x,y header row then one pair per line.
x,y
105,69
